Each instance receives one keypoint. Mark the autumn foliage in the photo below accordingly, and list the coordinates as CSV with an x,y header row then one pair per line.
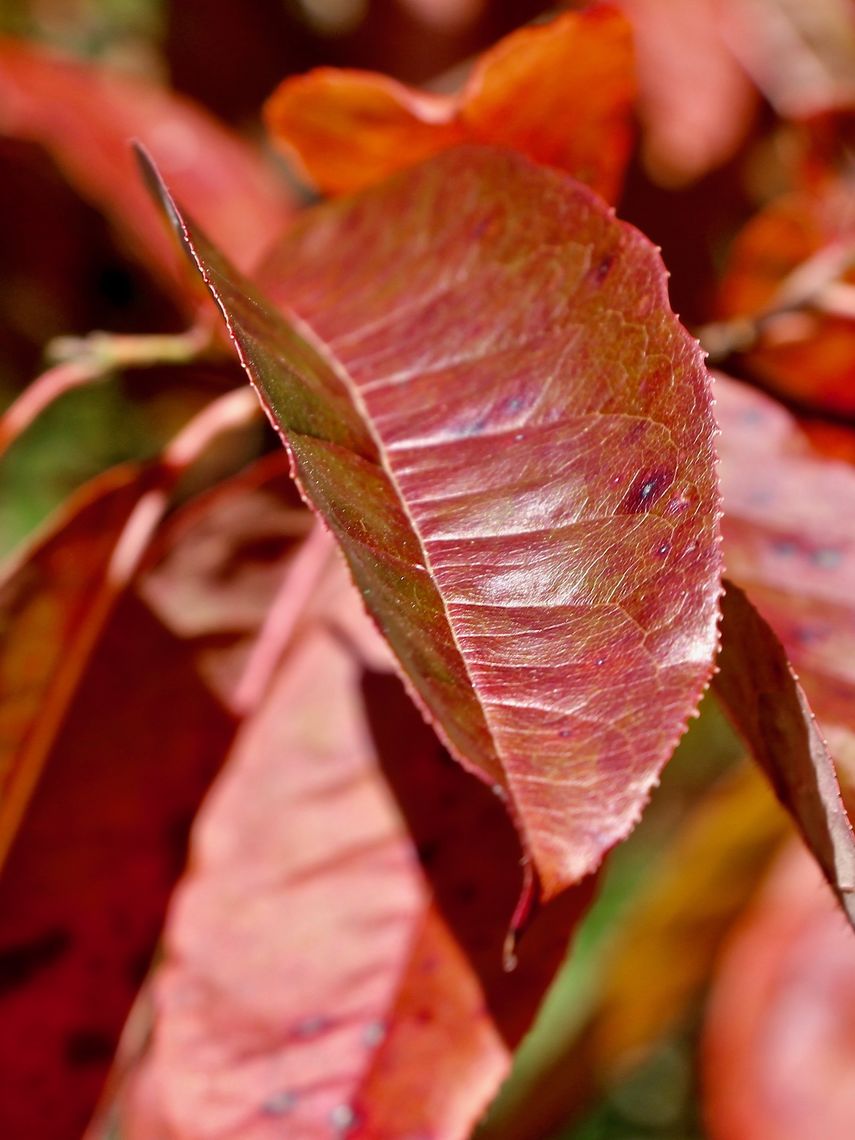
x,y
329,708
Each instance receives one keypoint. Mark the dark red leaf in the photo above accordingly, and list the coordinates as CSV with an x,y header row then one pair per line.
x,y
86,118
54,602
560,93
485,394
768,708
86,883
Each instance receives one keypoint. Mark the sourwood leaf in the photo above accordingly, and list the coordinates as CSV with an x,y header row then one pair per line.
x,y
486,396
559,92
762,696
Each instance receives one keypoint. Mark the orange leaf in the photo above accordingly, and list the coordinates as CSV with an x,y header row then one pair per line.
x,y
560,93
785,272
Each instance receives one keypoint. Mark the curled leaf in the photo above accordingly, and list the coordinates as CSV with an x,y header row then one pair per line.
x,y
559,92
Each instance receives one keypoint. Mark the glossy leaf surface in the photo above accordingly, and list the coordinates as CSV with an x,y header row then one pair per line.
x,y
762,696
560,93
510,435
86,118
316,976
779,1044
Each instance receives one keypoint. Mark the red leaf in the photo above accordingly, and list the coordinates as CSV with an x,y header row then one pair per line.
x,y
560,93
86,119
780,1035
763,698
86,882
310,978
510,435
790,542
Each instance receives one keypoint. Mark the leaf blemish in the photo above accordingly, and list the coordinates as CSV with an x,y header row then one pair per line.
x,y
280,1103
601,269
646,489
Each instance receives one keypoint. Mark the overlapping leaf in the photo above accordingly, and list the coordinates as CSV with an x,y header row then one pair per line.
x,y
483,391
87,877
560,93
789,542
315,975
779,1046
86,118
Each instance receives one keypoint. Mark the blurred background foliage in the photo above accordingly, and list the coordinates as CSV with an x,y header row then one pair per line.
x,y
64,275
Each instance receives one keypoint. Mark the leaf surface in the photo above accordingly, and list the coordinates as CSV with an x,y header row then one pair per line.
x,y
86,118
315,975
762,696
559,92
779,1044
509,433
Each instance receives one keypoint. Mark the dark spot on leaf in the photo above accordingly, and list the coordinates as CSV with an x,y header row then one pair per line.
x,y
18,963
280,1103
427,852
601,270
565,732
89,1047
646,488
